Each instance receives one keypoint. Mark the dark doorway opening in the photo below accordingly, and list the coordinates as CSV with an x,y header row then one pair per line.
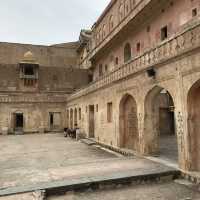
x,y
91,122
19,121
51,120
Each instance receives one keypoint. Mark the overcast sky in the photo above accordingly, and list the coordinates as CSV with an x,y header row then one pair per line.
x,y
47,21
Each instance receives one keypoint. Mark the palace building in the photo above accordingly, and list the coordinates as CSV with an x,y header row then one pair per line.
x,y
132,82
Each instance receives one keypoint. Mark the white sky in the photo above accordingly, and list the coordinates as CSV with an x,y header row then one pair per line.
x,y
47,21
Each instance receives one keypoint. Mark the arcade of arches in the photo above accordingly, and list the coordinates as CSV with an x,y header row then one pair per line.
x,y
159,134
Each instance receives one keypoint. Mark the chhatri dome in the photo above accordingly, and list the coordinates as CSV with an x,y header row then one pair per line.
x,y
29,58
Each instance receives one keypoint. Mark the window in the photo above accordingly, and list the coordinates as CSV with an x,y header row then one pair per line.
x,y
109,112
100,70
28,70
138,47
111,22
100,35
121,12
79,113
148,29
127,52
127,6
106,68
164,33
104,30
133,3
116,60
194,12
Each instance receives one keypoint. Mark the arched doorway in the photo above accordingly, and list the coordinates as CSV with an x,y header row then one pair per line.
x,y
129,138
194,125
159,125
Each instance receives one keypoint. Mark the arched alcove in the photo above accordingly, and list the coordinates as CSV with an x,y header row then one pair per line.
x,y
159,124
193,102
129,138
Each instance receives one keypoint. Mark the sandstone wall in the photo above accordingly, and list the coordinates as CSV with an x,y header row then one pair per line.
x,y
51,56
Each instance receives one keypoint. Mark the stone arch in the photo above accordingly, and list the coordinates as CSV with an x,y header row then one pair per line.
x,y
159,124
193,107
127,52
129,135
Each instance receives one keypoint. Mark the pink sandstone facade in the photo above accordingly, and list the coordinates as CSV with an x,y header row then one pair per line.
x,y
144,59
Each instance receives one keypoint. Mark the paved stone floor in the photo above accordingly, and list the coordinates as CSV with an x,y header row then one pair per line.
x,y
153,191
33,159
26,159
169,148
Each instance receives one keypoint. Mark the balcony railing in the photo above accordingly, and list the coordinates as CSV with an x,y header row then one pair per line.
x,y
31,77
32,99
138,7
181,43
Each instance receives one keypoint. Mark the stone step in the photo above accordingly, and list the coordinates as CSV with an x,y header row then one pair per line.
x,y
94,182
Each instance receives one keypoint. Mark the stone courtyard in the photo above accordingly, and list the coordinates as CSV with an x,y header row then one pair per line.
x,y
29,159
38,160
35,159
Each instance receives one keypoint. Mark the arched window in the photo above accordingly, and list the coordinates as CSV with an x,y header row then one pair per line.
x,y
127,7
100,35
133,3
104,31
121,12
127,52
111,23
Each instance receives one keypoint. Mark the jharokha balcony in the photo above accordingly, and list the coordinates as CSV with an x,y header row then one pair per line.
x,y
178,45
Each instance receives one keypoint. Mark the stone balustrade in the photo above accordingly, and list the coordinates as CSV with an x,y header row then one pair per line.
x,y
177,45
32,99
